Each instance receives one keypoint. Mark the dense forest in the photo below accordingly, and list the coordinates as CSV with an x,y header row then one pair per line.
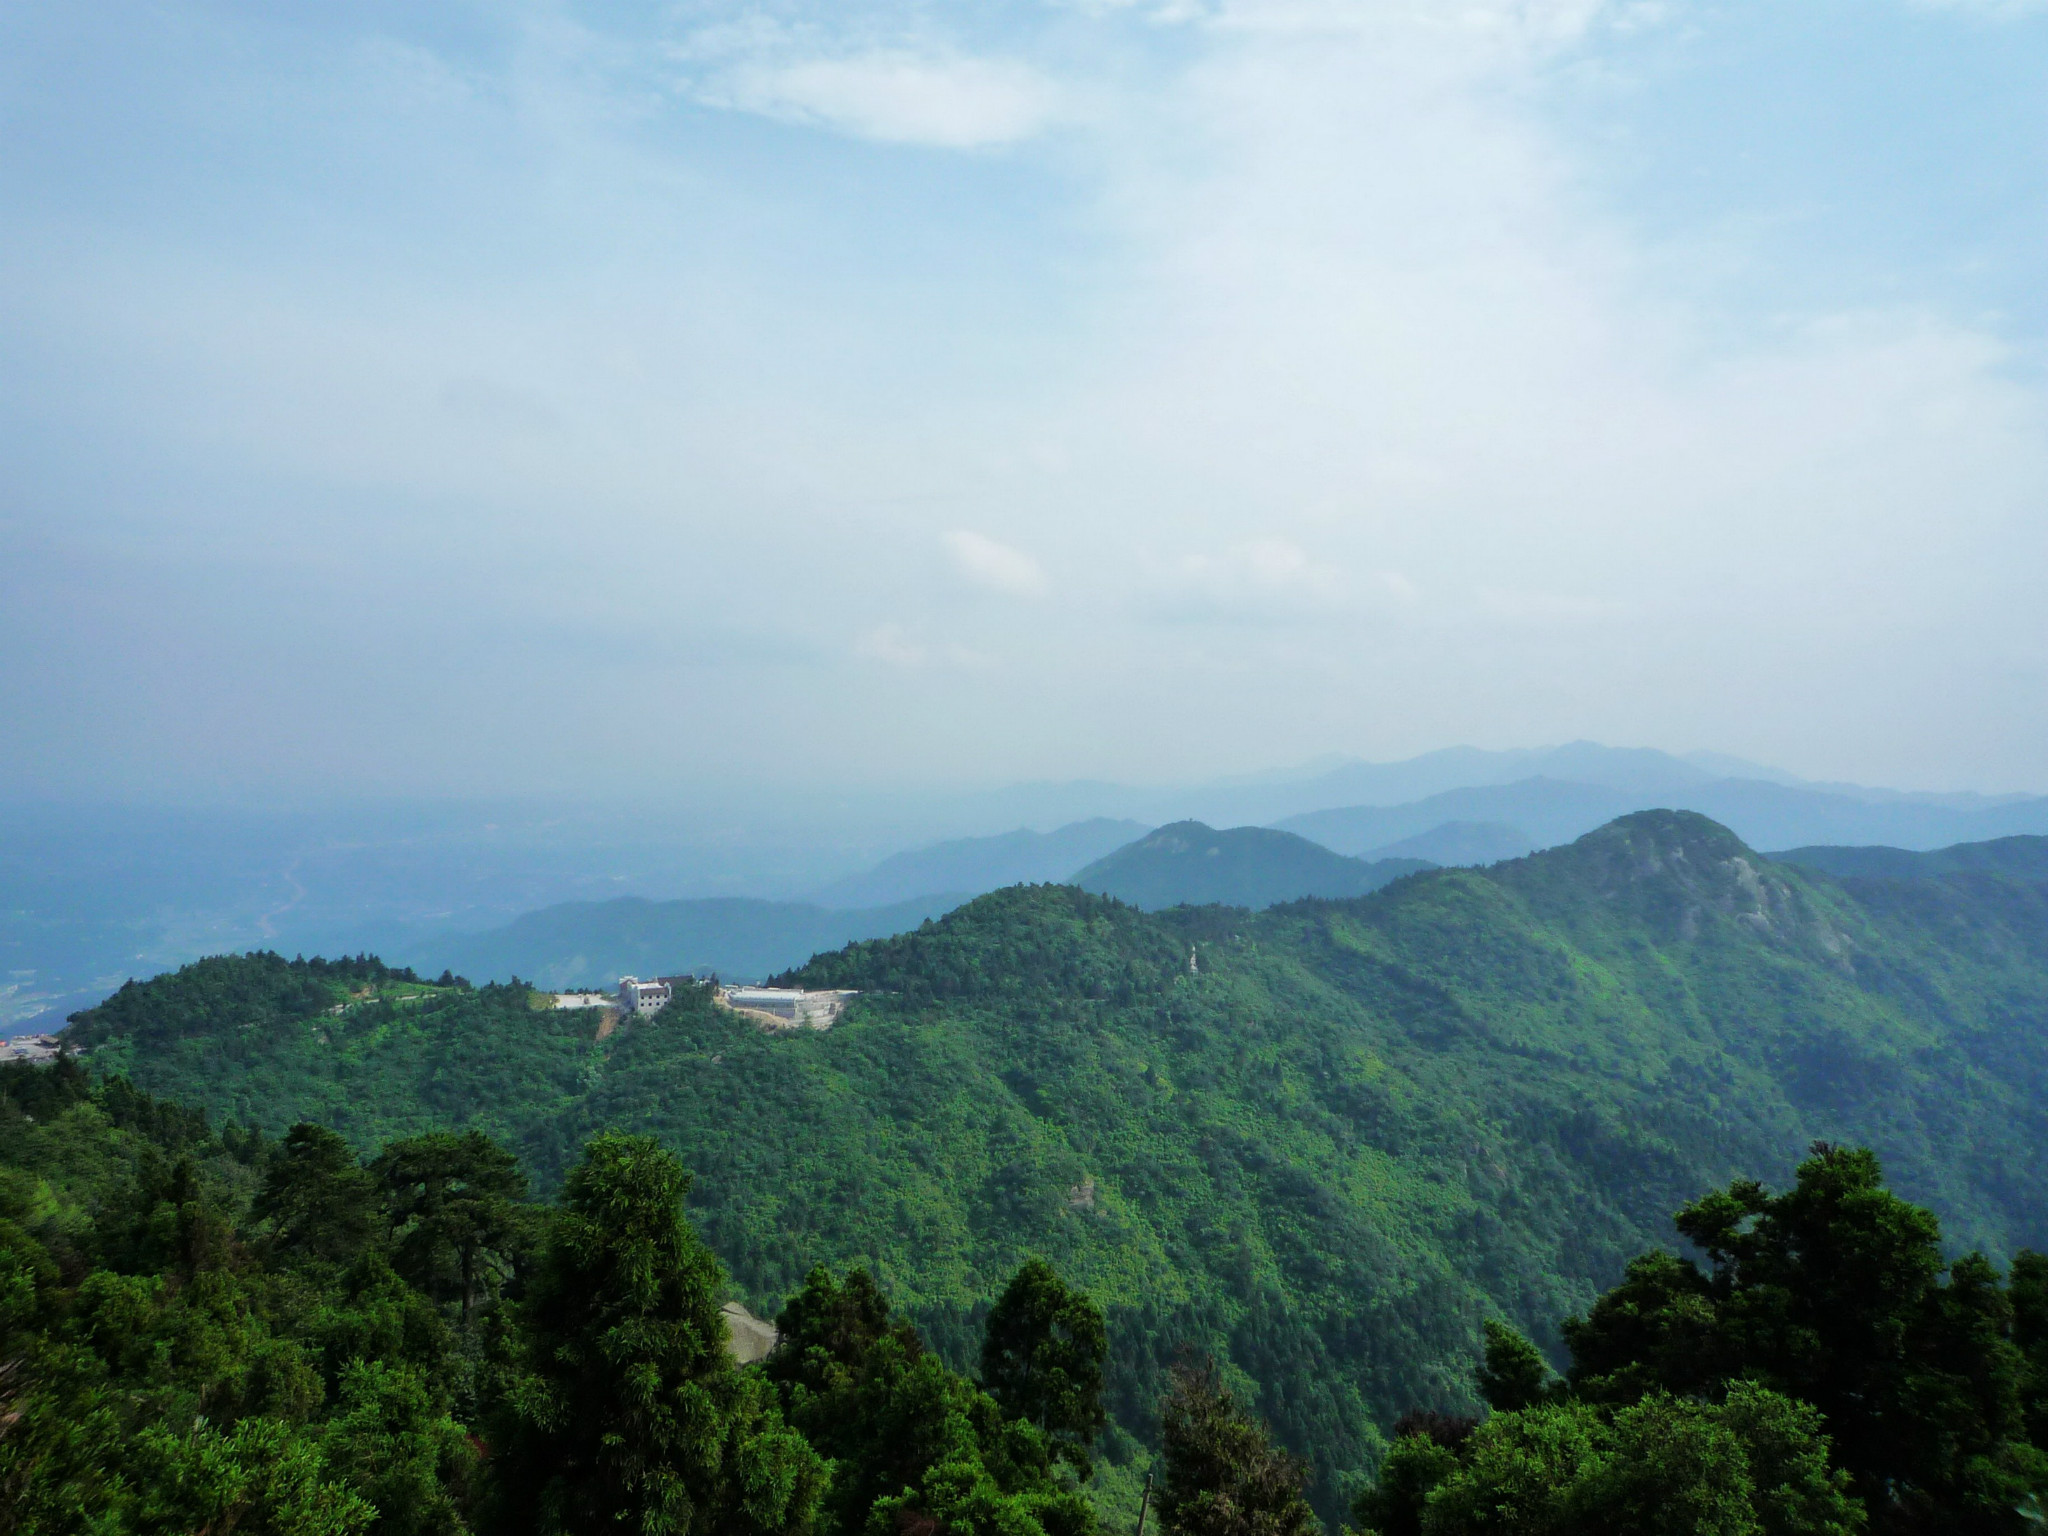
x,y
206,1332
1323,1145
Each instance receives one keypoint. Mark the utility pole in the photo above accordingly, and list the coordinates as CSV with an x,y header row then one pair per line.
x,y
1143,1503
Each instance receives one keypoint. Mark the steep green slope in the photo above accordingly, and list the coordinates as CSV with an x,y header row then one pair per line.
x,y
1189,864
1327,1151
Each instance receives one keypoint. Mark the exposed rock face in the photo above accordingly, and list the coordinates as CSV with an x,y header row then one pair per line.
x,y
1679,870
748,1337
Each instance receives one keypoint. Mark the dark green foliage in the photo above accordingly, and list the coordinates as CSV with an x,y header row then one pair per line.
x,y
1394,1503
1041,1359
393,1438
826,1331
1513,1373
198,1345
192,1343
1827,1365
455,1204
320,1202
1224,1476
367,1050
915,1446
1754,1466
1837,1294
2028,1296
254,990
631,1414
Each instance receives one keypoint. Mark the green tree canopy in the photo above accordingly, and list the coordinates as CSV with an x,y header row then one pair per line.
x,y
632,1413
916,1446
1513,1373
1836,1293
1041,1359
322,1205
1224,1476
454,1204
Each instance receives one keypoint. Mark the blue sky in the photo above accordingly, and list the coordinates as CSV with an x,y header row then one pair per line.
x,y
400,399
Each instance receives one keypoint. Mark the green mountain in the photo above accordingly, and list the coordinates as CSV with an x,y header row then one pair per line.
x,y
1189,864
2023,858
1325,1153
582,943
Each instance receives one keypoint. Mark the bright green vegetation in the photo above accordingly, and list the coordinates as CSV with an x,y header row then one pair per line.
x,y
1828,1371
370,1051
212,1334
1189,864
1326,1153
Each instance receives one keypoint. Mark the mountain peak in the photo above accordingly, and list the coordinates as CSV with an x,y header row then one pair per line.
x,y
1189,863
1676,869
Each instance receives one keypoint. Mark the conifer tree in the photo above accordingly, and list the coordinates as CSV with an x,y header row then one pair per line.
x,y
1041,1359
454,1203
1515,1374
321,1203
632,1415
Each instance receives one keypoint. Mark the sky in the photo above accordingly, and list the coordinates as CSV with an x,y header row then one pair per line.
x,y
403,399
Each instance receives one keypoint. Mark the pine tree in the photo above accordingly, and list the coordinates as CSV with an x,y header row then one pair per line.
x,y
632,1415
1041,1359
321,1203
455,1206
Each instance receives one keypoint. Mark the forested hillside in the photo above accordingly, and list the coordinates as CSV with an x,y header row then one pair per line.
x,y
1326,1140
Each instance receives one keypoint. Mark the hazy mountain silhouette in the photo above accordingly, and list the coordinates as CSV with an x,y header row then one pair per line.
x,y
1189,864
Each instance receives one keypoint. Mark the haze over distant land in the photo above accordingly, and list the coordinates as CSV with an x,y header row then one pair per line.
x,y
91,895
676,403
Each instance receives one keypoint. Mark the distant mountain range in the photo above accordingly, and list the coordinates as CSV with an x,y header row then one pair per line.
x,y
92,895
1765,814
1461,842
1647,777
978,864
1189,864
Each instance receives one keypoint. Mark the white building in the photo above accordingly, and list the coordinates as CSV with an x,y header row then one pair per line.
x,y
794,1005
637,996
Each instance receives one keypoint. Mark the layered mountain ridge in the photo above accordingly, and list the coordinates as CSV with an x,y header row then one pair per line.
x,y
1321,1141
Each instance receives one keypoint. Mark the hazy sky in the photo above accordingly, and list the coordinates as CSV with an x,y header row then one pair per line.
x,y
615,398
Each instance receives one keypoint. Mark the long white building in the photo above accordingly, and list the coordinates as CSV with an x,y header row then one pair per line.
x,y
801,1009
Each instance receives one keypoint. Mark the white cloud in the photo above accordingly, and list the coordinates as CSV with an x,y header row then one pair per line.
x,y
898,96
1265,580
997,566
